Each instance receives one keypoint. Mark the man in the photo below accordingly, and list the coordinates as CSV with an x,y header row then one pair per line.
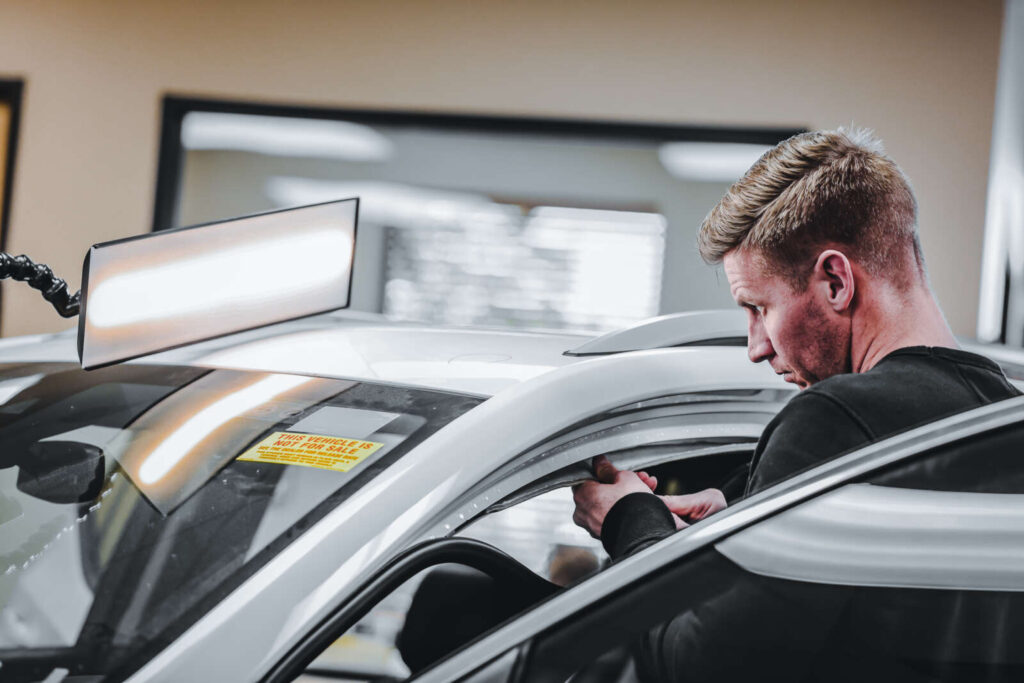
x,y
819,244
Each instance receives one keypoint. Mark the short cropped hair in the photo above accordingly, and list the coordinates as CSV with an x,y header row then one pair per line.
x,y
832,187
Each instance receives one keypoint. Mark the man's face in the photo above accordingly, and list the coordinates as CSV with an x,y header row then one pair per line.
x,y
797,332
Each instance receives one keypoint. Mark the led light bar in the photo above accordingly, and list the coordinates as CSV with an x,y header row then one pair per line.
x,y
176,287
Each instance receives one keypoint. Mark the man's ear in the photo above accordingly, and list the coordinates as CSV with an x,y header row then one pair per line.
x,y
834,274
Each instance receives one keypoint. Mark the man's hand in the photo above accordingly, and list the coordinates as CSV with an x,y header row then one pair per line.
x,y
694,507
595,498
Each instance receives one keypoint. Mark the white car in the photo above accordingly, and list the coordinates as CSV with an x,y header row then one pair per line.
x,y
346,497
262,506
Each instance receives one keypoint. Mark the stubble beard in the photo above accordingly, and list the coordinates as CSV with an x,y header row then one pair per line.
x,y
828,337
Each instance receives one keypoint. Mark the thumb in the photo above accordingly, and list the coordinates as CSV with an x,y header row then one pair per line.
x,y
694,506
604,470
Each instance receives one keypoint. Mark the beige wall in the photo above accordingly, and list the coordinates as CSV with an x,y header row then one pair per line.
x,y
5,132
920,73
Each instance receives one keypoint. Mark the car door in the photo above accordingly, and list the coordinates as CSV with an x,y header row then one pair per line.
x,y
901,561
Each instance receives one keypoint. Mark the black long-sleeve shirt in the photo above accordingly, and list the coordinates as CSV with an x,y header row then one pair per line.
x,y
907,388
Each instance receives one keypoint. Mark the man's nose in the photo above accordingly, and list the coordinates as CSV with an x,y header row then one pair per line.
x,y
759,347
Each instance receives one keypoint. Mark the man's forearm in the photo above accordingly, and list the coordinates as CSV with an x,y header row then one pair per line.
x,y
635,522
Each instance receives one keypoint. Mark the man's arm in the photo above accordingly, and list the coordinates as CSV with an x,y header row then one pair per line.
x,y
621,509
753,626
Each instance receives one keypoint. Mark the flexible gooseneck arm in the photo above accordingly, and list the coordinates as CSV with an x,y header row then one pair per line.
x,y
39,276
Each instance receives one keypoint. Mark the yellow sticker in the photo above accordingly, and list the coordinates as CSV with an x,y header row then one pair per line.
x,y
326,452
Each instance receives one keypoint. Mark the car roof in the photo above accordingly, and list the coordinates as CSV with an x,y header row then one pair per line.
x,y
354,345
367,346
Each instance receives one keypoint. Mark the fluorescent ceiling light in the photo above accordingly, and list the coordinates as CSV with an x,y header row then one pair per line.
x,y
176,446
709,161
284,136
560,217
385,203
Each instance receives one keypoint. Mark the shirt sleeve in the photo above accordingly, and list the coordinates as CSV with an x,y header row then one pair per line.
x,y
634,522
812,428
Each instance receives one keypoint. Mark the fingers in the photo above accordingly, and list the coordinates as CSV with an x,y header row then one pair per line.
x,y
589,513
581,521
604,470
695,506
595,497
651,481
579,491
606,473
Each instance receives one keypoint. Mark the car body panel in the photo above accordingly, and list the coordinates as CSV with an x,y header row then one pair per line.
x,y
865,535
721,328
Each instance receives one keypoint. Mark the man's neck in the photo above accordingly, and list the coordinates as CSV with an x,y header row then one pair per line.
x,y
896,321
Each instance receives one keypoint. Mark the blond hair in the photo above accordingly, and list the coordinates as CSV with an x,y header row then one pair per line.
x,y
814,190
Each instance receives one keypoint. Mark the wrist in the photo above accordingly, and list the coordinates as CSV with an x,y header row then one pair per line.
x,y
634,521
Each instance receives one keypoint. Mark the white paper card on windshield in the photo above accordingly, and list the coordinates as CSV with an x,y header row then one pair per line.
x,y
351,423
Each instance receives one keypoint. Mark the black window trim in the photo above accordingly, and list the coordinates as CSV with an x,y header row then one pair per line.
x,y
176,106
11,92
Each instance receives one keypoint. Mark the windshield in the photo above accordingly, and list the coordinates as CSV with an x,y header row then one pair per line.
x,y
135,497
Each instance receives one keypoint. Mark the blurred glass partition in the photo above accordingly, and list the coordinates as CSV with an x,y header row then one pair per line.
x,y
553,267
474,220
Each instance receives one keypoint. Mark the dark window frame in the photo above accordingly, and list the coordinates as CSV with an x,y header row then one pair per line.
x,y
176,107
11,93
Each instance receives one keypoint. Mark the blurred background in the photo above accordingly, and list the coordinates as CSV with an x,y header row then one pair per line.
x,y
520,164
